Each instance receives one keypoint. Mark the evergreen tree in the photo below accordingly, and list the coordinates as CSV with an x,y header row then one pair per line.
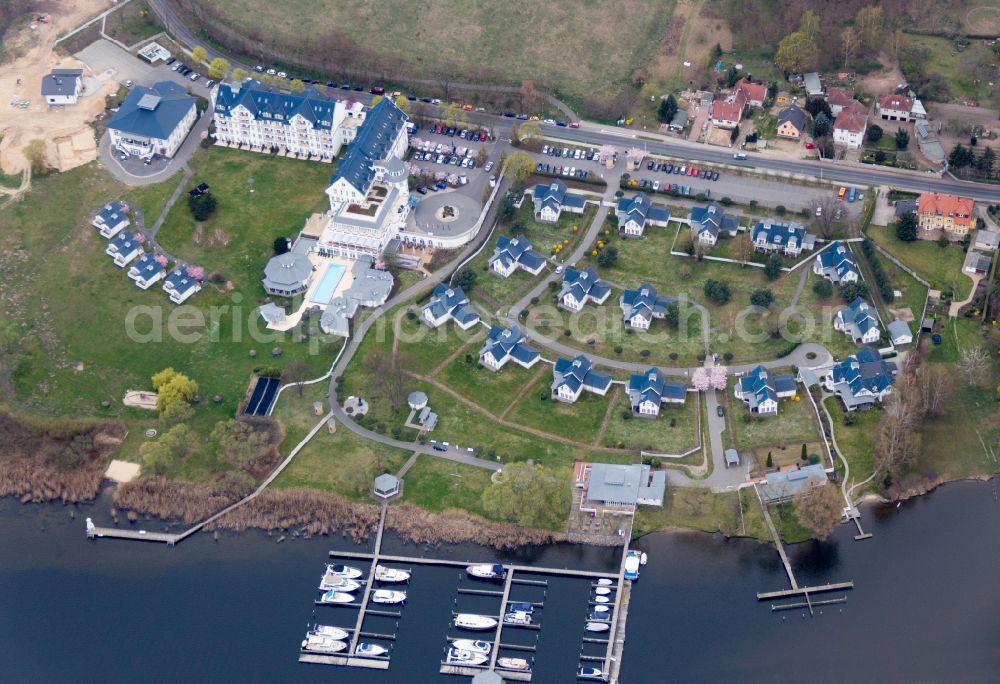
x,y
986,161
902,139
906,227
805,456
770,460
957,158
667,109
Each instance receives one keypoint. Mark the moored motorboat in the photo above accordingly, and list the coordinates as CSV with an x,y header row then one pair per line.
x,y
517,617
472,645
522,607
315,643
594,626
590,673
387,596
518,664
474,622
339,583
334,596
491,571
601,609
348,571
601,599
602,591
330,632
643,558
632,565
604,582
459,657
385,574
371,650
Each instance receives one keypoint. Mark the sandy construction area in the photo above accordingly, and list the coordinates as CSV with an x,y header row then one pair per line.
x,y
69,140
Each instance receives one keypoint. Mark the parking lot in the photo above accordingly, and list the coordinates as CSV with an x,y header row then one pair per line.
x,y
103,56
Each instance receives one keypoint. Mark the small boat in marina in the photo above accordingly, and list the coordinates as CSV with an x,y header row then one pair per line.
x,y
522,607
598,626
385,574
334,596
474,622
348,571
602,591
457,656
601,609
590,673
388,596
518,664
340,584
517,617
604,582
632,561
315,643
643,558
601,599
370,650
490,571
331,632
472,646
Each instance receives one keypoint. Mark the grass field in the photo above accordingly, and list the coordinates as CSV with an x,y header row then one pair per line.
x,y
525,41
794,425
856,442
955,66
913,292
940,266
579,421
674,431
437,485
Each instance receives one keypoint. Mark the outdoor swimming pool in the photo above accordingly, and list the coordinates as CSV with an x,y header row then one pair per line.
x,y
328,284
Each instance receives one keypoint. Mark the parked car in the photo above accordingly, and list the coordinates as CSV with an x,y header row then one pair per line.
x,y
259,69
810,146
561,123
422,190
439,447
332,84
656,185
170,60
489,166
719,410
574,125
272,71
282,74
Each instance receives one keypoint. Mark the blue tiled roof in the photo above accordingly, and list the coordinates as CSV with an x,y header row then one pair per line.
x,y
865,370
644,300
778,234
712,219
264,102
372,143
159,121
179,280
112,213
838,258
124,242
517,250
147,266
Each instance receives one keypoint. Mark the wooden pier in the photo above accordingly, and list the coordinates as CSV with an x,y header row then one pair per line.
x,y
94,532
356,634
503,611
440,562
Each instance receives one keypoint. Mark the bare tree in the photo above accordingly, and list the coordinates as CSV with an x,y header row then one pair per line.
x,y
973,362
296,372
897,440
819,508
933,387
527,96
391,377
849,41
826,219
743,246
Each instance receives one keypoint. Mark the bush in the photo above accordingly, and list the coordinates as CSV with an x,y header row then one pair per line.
x,y
201,206
850,419
772,267
822,289
727,357
780,210
644,353
626,415
674,356
466,278
717,291
762,298
567,333
726,202
618,349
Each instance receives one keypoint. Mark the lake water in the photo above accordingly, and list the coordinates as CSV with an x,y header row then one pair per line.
x,y
926,604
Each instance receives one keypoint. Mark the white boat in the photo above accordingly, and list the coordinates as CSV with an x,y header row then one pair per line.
x,y
643,558
604,582
388,596
366,649
601,599
602,591
517,617
598,626
474,622
330,632
632,565
384,574
590,673
601,609
460,657
348,571
334,596
522,607
519,664
322,644
472,645
340,583
486,571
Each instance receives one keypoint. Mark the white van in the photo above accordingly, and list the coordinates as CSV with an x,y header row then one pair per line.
x,y
740,155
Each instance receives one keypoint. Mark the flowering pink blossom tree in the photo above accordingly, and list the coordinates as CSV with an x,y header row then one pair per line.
x,y
718,377
700,380
196,272
635,155
606,152
160,259
140,238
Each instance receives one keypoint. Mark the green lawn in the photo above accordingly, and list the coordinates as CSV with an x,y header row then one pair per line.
x,y
914,294
437,485
732,513
954,66
940,266
674,431
856,442
493,390
794,425
579,421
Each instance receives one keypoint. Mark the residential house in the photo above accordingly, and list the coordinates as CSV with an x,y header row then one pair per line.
x,y
640,307
949,213
635,212
571,377
511,254
905,206
977,263
123,248
648,391
310,123
179,286
760,390
840,99
679,121
580,287
893,107
850,126
146,271
858,322
62,87
812,84
792,122
861,380
291,273
728,112
369,194
836,263
153,120
111,219
789,239
708,222
507,344
449,304
553,199
782,486
899,332
753,93
987,240
620,488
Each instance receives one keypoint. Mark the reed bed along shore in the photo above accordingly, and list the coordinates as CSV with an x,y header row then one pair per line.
x,y
457,527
